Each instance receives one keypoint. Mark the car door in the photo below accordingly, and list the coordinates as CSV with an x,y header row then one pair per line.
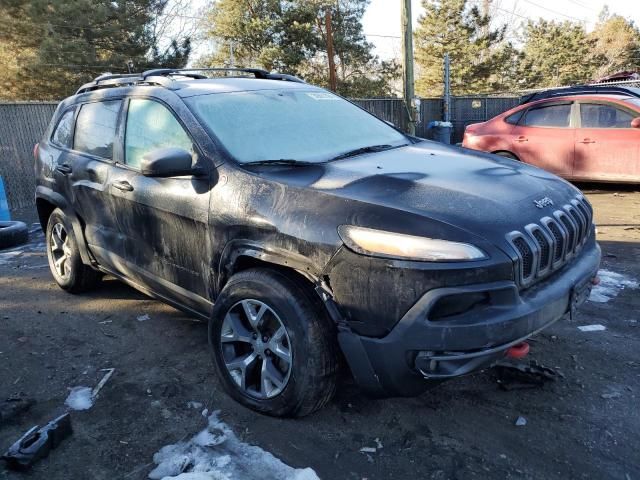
x,y
607,148
82,169
544,137
163,220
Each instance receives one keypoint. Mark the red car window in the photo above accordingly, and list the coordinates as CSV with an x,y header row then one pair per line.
x,y
548,116
604,116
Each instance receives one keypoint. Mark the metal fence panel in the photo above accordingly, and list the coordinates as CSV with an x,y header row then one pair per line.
x,y
389,109
21,127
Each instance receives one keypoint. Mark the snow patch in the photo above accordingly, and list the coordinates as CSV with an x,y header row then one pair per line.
x,y
217,454
611,283
592,328
80,398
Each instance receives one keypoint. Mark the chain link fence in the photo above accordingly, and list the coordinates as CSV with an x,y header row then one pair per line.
x,y
21,127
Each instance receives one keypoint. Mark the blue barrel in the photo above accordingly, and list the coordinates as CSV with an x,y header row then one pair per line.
x,y
441,131
4,205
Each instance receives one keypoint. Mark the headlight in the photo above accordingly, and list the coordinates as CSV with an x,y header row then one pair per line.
x,y
397,245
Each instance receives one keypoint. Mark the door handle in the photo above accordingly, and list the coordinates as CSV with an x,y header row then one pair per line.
x,y
522,138
123,185
587,140
64,169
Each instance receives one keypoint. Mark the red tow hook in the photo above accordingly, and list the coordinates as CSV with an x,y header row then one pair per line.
x,y
518,351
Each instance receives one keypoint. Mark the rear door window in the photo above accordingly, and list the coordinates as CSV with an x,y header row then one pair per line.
x,y
63,134
548,116
96,128
594,115
150,126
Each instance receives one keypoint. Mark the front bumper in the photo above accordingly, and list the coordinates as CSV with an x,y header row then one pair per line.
x,y
418,348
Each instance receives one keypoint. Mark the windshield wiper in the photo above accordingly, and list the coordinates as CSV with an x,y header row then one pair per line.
x,y
369,149
281,161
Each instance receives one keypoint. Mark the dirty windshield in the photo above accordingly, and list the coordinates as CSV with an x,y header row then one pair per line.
x,y
306,126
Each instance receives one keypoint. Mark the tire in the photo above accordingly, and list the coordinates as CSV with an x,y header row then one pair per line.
x,y
12,234
507,155
303,385
64,257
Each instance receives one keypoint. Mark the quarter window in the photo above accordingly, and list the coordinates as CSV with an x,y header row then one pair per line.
x,y
548,116
604,116
96,128
151,126
62,134
514,118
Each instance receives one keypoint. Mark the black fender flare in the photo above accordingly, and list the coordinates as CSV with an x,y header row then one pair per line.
x,y
234,250
58,201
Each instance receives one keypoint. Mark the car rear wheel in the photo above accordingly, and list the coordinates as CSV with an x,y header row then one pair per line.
x,y
64,257
273,344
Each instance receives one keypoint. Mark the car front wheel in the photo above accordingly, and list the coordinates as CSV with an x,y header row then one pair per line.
x,y
273,344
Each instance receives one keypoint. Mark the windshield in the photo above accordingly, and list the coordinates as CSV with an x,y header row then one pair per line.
x,y
307,126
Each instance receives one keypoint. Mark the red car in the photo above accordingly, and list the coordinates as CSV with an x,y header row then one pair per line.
x,y
593,137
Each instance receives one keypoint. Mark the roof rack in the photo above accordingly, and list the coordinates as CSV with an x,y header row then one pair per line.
x,y
160,76
580,90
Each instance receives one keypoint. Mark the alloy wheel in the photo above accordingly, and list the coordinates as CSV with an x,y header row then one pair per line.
x,y
256,349
60,250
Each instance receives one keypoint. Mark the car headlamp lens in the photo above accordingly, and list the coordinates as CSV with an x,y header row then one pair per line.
x,y
379,243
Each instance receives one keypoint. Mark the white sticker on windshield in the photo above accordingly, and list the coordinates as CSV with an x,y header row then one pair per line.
x,y
322,96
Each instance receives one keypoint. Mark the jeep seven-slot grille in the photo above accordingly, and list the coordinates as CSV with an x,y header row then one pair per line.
x,y
546,246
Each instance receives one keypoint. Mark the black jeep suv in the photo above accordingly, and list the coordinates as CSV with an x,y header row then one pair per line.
x,y
306,231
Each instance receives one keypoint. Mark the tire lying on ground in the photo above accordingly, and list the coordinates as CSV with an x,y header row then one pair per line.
x,y
13,233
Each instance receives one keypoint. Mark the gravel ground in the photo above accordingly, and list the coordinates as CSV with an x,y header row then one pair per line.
x,y
583,425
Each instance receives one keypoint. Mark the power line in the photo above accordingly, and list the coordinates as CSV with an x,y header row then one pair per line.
x,y
556,12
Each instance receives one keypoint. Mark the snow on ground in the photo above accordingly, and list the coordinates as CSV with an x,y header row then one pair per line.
x,y
611,283
80,398
217,454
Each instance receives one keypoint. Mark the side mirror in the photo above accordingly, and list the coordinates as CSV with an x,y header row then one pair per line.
x,y
167,162
635,123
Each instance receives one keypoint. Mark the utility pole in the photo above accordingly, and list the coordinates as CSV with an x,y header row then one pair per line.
x,y
407,65
333,84
447,89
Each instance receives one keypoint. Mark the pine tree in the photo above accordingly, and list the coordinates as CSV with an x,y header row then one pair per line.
x,y
60,44
462,31
556,53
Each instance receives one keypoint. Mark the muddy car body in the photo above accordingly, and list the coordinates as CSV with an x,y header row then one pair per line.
x,y
420,261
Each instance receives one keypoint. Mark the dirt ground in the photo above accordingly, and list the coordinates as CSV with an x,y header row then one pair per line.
x,y
586,424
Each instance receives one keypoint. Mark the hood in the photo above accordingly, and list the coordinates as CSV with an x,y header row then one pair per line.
x,y
470,190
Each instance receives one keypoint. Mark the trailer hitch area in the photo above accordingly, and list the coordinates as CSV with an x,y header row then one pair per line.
x,y
37,443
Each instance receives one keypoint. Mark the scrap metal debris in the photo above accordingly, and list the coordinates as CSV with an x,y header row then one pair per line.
x,y
37,443
512,376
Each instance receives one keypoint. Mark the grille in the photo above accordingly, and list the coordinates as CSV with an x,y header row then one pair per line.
x,y
546,246
545,249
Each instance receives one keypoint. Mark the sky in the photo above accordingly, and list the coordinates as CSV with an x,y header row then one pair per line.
x,y
381,21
